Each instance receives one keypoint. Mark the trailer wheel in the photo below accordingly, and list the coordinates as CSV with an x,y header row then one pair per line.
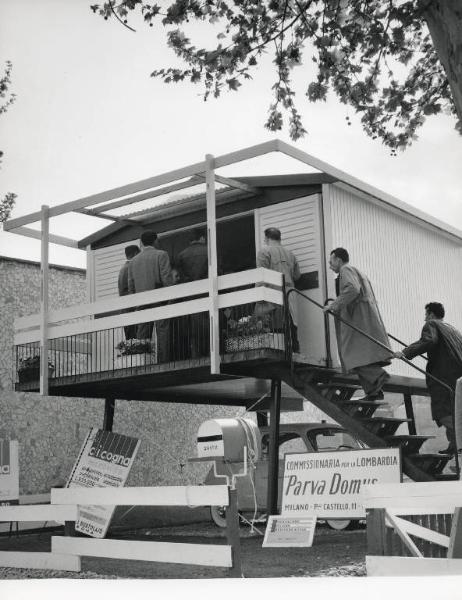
x,y
218,514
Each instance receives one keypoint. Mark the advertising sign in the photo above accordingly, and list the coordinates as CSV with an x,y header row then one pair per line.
x,y
105,460
288,532
329,484
9,472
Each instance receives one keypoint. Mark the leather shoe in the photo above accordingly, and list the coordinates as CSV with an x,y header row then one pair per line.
x,y
449,450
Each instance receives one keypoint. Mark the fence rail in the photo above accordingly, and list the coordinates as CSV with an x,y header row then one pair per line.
x,y
66,551
413,521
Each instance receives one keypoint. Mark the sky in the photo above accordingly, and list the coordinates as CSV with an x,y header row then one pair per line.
x,y
88,117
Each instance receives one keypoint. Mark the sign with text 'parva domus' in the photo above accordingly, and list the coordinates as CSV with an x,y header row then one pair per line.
x,y
329,484
9,472
104,461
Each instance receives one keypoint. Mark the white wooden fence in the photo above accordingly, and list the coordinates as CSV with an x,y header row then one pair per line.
x,y
414,528
67,550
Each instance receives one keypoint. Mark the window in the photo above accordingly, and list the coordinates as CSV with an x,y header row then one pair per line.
x,y
288,442
332,439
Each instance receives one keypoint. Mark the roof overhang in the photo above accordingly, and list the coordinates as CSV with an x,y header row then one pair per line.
x,y
99,205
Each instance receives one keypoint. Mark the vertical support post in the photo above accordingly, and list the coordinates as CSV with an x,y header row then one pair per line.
x,y
262,418
376,532
213,265
455,537
45,235
410,414
232,533
273,462
109,408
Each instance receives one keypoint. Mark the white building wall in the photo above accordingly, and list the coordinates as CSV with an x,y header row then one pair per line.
x,y
407,263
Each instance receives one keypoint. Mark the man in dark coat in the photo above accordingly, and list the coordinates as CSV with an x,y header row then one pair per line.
x,y
443,344
193,263
150,270
130,253
356,304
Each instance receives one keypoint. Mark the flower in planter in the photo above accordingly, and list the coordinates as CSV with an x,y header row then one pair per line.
x,y
134,346
33,362
249,325
29,368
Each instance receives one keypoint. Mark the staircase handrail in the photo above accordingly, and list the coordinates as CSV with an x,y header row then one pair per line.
x,y
372,339
403,358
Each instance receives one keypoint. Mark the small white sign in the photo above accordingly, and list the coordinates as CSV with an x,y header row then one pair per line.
x,y
288,532
329,484
9,472
104,461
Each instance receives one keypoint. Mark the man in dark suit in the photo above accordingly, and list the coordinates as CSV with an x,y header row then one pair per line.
x,y
443,344
150,270
130,253
193,263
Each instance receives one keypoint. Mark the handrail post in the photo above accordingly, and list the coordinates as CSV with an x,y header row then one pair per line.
x,y
44,270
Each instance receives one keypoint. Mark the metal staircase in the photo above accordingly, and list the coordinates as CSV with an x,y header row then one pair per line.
x,y
358,416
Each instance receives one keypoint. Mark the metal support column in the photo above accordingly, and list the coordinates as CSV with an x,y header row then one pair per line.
x,y
45,236
213,265
410,414
273,463
109,407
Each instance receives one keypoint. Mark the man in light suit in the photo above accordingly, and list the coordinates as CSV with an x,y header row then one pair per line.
x,y
278,258
150,270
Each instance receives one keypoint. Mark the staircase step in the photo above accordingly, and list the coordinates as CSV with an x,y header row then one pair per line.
x,y
383,426
433,464
409,444
446,476
363,409
342,386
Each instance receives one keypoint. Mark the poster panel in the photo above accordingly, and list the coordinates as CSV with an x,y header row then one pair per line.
x,y
105,460
9,472
289,532
329,484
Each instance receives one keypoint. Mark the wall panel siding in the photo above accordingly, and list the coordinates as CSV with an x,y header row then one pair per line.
x,y
107,264
408,265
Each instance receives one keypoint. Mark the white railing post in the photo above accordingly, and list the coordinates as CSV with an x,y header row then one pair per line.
x,y
45,222
213,268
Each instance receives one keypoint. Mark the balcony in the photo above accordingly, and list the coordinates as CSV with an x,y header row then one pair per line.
x,y
95,350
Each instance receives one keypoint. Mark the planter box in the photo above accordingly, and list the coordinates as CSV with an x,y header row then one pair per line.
x,y
254,342
32,374
134,360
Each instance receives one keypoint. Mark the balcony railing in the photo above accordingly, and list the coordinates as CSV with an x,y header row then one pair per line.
x,y
158,329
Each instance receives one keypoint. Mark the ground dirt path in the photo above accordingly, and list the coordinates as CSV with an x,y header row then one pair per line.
x,y
333,553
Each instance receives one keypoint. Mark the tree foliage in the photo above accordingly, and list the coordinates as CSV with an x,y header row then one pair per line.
x,y
376,55
6,99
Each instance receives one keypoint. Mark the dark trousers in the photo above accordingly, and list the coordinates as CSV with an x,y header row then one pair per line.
x,y
144,332
371,377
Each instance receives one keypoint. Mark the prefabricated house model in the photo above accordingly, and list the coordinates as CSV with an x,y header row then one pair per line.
x,y
410,257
